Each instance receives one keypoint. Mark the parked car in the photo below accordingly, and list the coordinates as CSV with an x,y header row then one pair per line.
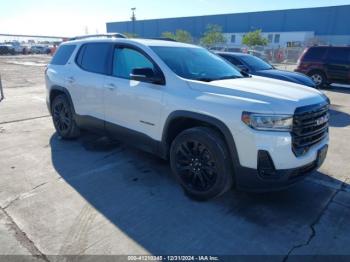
x,y
6,49
19,49
39,49
181,102
326,64
260,54
256,66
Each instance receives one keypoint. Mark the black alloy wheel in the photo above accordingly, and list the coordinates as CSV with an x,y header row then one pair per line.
x,y
196,165
62,116
201,163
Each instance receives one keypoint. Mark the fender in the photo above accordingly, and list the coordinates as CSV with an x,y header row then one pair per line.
x,y
66,92
207,119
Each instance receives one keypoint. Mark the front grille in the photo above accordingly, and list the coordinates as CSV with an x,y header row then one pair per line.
x,y
310,126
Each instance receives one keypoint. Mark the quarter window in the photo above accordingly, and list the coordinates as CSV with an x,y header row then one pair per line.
x,y
63,54
127,59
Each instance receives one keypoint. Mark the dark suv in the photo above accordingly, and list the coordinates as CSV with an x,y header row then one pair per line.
x,y
326,64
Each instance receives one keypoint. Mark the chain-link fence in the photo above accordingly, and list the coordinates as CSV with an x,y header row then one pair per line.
x,y
25,45
273,55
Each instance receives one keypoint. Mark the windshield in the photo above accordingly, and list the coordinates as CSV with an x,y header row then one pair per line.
x,y
196,63
255,63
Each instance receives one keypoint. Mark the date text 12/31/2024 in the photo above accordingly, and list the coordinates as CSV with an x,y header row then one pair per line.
x,y
173,258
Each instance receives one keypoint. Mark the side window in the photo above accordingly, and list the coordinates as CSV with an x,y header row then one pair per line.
x,y
62,55
93,57
338,54
233,60
127,59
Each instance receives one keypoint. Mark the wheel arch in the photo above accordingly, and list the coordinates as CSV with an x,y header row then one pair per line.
x,y
179,121
59,90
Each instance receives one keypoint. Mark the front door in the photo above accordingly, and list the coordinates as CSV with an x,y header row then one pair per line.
x,y
132,107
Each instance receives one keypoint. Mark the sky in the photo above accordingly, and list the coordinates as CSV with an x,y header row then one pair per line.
x,y
76,17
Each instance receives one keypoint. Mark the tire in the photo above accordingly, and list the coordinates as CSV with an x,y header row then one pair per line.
x,y
200,161
319,78
63,118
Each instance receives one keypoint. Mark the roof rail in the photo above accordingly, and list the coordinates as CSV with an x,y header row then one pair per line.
x,y
162,38
112,35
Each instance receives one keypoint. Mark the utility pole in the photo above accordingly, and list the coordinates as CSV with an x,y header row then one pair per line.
x,y
133,19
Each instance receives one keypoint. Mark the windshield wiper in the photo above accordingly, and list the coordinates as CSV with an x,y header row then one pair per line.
x,y
205,79
228,77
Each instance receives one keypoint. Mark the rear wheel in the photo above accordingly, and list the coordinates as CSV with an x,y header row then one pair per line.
x,y
200,161
62,115
319,78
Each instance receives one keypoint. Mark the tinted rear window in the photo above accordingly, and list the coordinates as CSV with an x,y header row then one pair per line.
x,y
63,54
93,57
315,53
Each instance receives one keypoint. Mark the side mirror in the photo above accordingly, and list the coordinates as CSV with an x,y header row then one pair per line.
x,y
243,68
146,74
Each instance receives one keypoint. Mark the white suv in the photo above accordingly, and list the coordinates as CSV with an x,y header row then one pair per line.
x,y
218,127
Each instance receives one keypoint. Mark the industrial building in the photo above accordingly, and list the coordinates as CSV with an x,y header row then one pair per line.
x,y
282,28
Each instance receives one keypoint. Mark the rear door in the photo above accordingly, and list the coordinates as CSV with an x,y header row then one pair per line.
x,y
87,78
338,64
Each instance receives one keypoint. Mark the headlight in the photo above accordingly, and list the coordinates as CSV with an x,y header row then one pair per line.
x,y
268,122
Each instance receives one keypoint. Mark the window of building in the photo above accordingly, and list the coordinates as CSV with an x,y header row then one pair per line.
x,y
270,37
277,38
233,38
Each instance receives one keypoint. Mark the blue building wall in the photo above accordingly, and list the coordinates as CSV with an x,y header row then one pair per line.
x,y
334,20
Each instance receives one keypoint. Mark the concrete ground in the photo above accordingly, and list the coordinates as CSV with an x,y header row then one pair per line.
x,y
91,196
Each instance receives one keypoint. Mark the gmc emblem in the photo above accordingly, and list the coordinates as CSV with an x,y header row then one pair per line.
x,y
322,120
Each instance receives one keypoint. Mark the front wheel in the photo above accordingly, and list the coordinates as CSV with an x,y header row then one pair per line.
x,y
200,161
62,115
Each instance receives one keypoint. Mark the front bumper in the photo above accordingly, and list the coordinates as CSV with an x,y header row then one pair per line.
x,y
250,179
287,168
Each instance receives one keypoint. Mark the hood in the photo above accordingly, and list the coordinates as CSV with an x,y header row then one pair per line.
x,y
273,95
286,76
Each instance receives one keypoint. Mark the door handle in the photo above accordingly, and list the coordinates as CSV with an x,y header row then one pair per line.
x,y
111,86
71,79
